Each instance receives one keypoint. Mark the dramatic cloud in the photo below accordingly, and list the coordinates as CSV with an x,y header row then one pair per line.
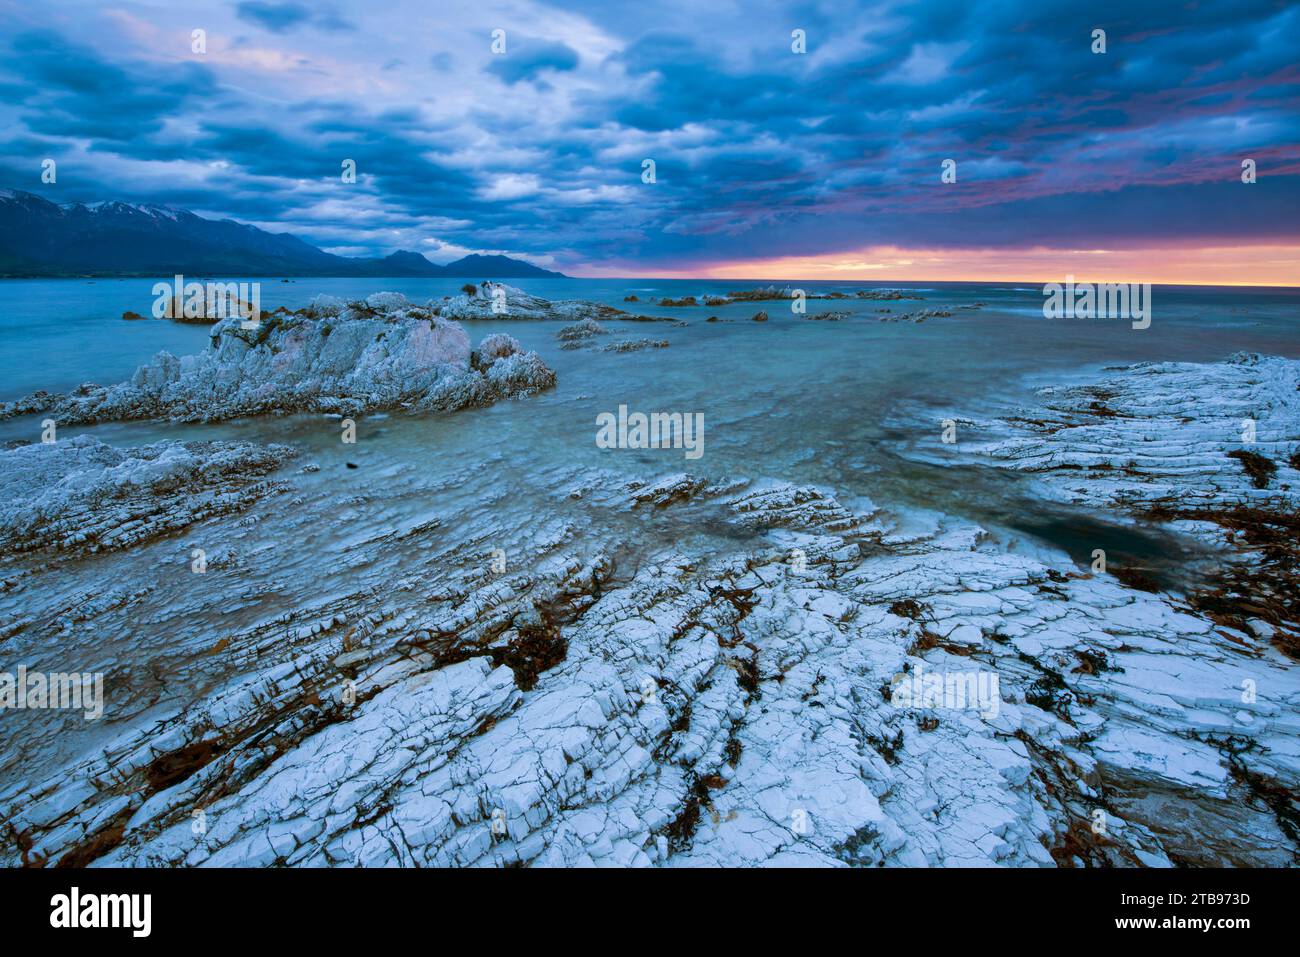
x,y
761,154
283,17
533,59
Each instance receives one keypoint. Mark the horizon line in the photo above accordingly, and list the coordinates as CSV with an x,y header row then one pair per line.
x,y
725,279
964,282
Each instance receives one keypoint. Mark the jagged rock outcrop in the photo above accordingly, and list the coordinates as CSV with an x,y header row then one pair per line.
x,y
497,300
580,333
379,354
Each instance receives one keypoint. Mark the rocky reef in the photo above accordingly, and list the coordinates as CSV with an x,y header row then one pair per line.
x,y
580,334
382,353
81,495
635,345
920,315
584,333
773,292
668,670
1172,436
497,300
1211,450
555,685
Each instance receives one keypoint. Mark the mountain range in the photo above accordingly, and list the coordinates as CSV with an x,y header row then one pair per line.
x,y
40,238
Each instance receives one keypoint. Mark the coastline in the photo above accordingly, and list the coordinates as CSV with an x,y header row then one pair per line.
x,y
674,668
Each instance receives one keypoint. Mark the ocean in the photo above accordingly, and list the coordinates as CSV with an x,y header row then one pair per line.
x,y
826,403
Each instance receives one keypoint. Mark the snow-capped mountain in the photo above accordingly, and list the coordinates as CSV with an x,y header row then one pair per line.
x,y
41,238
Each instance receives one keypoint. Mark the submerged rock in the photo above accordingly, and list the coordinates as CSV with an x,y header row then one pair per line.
x,y
773,292
919,316
581,331
348,358
635,345
584,332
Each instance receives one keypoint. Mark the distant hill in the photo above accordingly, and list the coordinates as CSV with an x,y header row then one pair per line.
x,y
39,238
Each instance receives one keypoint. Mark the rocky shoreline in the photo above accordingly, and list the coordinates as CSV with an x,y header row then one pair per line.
x,y
496,687
1210,450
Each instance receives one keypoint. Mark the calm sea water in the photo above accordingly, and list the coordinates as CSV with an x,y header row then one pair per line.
x,y
801,401
56,334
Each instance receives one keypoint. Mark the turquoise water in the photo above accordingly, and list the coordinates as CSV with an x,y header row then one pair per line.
x,y
810,402
56,334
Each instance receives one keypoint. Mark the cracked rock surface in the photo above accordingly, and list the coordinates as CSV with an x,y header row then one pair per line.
x,y
672,671
1167,434
84,495
1212,450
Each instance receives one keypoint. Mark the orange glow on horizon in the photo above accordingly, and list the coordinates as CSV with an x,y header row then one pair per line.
x,y
1273,265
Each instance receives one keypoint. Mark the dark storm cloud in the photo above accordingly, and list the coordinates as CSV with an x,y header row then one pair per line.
x,y
531,59
759,151
68,89
283,17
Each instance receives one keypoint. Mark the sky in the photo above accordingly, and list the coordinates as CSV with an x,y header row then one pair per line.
x,y
1123,165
